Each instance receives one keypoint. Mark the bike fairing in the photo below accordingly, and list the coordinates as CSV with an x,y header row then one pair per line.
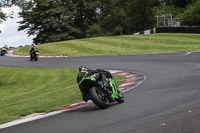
x,y
111,83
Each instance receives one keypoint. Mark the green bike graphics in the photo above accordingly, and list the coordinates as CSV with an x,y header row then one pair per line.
x,y
112,84
114,89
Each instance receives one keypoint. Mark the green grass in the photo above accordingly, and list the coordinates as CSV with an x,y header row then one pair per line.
x,y
115,45
24,91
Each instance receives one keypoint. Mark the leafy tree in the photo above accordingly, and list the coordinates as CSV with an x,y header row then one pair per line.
x,y
94,31
166,9
7,3
84,14
177,3
49,20
140,14
191,16
2,16
112,17
60,20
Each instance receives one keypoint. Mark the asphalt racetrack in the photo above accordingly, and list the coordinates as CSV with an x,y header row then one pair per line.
x,y
167,102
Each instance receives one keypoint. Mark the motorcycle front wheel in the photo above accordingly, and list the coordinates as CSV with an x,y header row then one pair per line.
x,y
36,57
120,97
98,98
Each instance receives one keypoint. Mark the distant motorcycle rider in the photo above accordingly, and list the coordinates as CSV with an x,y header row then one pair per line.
x,y
102,75
33,49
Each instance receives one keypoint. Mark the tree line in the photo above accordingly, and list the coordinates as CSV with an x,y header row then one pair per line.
x,y
60,20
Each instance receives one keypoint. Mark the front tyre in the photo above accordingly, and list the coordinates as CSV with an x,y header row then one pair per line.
x,y
2,53
36,57
98,98
120,97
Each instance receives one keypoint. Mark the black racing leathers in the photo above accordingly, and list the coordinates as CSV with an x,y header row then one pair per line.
x,y
102,75
33,49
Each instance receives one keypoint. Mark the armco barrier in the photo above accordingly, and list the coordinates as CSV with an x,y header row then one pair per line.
x,y
151,31
185,29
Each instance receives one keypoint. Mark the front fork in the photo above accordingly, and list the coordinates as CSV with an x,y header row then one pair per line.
x,y
114,89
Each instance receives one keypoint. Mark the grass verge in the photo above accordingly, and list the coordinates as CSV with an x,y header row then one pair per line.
x,y
125,44
24,91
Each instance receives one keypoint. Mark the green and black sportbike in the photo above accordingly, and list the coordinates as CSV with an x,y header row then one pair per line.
x,y
101,95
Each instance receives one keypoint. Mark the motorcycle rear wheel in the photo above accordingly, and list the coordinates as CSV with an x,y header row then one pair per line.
x,y
98,99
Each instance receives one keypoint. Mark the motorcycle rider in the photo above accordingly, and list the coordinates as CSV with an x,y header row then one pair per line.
x,y
102,75
33,49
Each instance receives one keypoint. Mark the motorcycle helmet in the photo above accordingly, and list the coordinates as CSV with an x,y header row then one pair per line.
x,y
83,68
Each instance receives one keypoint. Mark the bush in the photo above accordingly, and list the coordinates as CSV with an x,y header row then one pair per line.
x,y
118,31
94,31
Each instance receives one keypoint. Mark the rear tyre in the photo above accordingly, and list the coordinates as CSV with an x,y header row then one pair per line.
x,y
98,98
